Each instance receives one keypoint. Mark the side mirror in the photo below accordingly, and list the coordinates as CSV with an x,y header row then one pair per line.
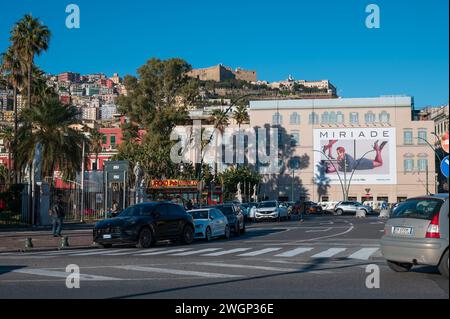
x,y
211,218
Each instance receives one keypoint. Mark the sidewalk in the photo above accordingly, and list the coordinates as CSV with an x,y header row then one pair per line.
x,y
13,239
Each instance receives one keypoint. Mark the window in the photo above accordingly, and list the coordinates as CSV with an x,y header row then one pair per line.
x,y
369,117
277,119
325,118
354,118
295,139
339,117
313,118
103,139
113,140
408,137
418,208
408,165
332,118
384,117
422,165
422,136
295,118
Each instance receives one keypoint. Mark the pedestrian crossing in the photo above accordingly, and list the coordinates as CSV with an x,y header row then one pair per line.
x,y
303,252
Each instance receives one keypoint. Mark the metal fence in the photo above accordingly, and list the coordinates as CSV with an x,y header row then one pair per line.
x,y
13,205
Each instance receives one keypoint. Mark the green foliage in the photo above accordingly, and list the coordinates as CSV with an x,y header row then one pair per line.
x,y
232,176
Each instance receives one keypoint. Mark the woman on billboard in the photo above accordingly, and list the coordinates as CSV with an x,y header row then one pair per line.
x,y
344,160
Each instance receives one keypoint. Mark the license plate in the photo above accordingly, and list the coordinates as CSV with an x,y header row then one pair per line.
x,y
107,236
402,230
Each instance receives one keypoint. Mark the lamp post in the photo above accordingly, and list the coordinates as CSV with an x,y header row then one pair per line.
x,y
344,194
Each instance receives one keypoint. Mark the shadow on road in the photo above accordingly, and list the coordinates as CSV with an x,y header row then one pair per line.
x,y
10,268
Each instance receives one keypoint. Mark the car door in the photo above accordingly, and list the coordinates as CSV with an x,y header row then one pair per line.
x,y
219,222
173,221
159,216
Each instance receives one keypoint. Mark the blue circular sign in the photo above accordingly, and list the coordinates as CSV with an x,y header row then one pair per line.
x,y
444,166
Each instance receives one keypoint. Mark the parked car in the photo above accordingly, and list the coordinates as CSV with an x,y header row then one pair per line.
x,y
312,207
351,207
210,223
252,211
271,210
234,216
417,234
328,206
376,205
144,224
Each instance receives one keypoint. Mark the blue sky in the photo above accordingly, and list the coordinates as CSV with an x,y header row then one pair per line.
x,y
311,40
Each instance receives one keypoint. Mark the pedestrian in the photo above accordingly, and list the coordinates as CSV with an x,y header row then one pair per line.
x,y
189,205
57,214
114,208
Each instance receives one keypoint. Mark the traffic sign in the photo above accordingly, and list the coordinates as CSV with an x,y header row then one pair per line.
x,y
444,166
116,166
444,142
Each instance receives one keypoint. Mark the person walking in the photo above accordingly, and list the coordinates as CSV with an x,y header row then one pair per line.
x,y
57,214
114,208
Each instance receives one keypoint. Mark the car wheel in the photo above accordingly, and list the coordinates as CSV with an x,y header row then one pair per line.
x,y
443,265
399,267
237,232
227,232
105,245
339,212
208,235
187,236
145,239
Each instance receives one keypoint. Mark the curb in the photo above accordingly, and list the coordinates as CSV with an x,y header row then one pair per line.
x,y
37,250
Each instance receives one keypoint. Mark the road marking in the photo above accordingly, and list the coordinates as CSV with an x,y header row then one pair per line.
x,y
125,252
226,252
188,253
363,253
294,252
259,252
329,236
176,272
319,230
61,274
329,253
159,252
244,266
96,252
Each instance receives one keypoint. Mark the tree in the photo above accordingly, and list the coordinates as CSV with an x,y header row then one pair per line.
x,y
7,135
50,125
153,104
240,115
96,140
29,38
232,176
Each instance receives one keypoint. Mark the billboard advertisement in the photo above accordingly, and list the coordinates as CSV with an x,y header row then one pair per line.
x,y
366,155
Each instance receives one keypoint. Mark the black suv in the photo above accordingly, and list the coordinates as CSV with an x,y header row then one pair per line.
x,y
144,224
234,216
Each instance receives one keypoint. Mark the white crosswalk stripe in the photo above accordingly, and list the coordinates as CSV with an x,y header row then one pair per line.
x,y
260,252
177,272
226,252
162,252
201,251
124,252
329,253
294,252
363,253
95,252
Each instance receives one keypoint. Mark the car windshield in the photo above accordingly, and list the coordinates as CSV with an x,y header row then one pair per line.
x,y
226,210
418,208
199,214
267,204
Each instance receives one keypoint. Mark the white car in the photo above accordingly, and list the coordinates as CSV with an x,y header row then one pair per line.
x,y
271,210
210,223
328,206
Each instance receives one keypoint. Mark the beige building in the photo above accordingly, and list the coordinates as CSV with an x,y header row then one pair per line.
x,y
219,73
403,168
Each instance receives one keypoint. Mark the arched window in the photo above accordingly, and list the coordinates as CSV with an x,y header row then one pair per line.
x,y
295,118
354,118
384,117
277,119
325,118
369,117
313,118
332,119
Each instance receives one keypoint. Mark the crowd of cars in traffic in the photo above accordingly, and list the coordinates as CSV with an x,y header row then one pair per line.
x,y
417,232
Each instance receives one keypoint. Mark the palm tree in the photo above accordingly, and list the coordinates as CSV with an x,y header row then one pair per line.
x,y
30,37
49,124
96,139
13,67
240,115
7,135
221,121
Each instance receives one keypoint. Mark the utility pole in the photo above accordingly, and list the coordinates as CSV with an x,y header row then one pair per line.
x,y
428,191
82,185
292,186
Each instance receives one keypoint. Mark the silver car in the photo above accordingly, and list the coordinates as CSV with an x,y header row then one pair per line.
x,y
271,210
417,234
351,207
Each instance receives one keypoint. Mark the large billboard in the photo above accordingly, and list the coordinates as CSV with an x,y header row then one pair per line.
x,y
369,154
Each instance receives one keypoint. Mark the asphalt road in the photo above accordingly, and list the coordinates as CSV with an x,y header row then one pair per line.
x,y
324,257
